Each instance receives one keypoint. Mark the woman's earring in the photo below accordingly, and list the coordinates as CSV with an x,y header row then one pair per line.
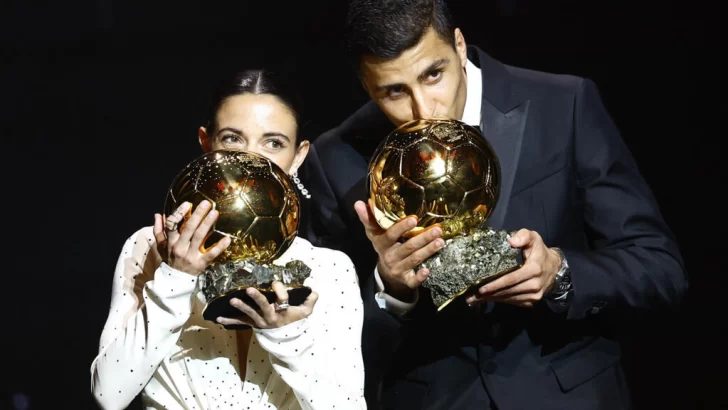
x,y
298,183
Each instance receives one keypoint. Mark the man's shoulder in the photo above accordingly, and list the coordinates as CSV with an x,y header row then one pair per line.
x,y
524,81
536,82
365,124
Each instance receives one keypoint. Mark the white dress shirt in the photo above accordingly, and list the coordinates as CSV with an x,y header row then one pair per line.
x,y
471,116
156,342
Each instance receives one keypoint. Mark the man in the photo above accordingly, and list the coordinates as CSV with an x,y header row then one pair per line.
x,y
595,247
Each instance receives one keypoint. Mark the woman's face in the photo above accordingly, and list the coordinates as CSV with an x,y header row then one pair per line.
x,y
258,123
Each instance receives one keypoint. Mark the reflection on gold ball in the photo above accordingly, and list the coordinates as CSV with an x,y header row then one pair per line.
x,y
441,170
257,202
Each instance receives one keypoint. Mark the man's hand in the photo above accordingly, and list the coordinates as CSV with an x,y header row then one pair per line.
x,y
398,260
527,285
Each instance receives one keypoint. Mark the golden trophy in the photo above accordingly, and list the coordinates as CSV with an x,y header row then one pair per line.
x,y
445,173
259,210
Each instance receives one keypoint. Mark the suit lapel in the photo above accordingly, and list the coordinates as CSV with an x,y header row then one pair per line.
x,y
504,131
503,122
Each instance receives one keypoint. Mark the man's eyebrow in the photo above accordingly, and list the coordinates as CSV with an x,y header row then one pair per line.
x,y
435,65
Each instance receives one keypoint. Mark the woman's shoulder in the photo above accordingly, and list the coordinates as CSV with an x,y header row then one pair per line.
x,y
303,247
323,260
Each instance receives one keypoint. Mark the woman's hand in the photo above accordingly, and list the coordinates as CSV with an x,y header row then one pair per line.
x,y
270,316
184,250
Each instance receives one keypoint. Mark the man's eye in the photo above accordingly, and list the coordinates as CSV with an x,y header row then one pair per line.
x,y
395,92
434,75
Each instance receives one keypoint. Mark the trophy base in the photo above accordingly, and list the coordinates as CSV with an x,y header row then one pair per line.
x,y
220,306
222,282
467,262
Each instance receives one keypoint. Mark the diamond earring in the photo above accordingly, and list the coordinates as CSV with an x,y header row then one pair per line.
x,y
298,183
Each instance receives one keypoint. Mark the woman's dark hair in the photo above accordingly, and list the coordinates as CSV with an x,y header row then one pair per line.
x,y
257,81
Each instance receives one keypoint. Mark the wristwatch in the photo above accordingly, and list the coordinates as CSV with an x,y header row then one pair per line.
x,y
562,286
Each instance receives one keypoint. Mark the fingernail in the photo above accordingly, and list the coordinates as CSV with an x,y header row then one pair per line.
x,y
436,232
412,223
440,243
483,290
249,291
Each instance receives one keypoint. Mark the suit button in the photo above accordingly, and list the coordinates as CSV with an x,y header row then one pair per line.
x,y
490,367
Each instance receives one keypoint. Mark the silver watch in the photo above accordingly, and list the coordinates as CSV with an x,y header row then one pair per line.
x,y
562,285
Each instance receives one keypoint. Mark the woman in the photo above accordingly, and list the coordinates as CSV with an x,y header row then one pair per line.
x,y
155,340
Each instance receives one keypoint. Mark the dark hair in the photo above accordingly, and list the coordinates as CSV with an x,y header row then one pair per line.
x,y
257,81
386,28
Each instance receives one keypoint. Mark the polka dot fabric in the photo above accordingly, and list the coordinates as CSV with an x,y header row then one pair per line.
x,y
156,342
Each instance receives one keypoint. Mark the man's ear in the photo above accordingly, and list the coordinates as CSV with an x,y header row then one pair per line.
x,y
461,48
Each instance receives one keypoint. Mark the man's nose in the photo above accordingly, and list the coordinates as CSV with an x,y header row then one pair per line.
x,y
421,107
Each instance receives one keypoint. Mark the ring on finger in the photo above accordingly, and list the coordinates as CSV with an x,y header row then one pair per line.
x,y
282,306
171,224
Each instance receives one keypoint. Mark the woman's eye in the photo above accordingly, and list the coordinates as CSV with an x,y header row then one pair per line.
x,y
230,139
274,144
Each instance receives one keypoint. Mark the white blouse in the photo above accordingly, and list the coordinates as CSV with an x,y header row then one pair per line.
x,y
155,341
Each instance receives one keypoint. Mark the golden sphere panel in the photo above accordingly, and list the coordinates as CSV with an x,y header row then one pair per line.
x,y
440,170
257,203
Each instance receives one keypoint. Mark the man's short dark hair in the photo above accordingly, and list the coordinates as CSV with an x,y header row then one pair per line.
x,y
386,28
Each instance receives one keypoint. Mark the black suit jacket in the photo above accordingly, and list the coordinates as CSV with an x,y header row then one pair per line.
x,y
567,174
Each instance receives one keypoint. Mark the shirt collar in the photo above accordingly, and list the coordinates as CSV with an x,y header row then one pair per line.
x,y
473,100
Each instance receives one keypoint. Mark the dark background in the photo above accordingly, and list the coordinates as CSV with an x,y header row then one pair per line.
x,y
101,102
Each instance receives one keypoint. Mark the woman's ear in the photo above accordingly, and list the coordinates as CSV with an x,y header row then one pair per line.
x,y
301,153
204,139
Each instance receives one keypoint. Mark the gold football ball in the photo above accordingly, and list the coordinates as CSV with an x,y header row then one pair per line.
x,y
440,170
257,203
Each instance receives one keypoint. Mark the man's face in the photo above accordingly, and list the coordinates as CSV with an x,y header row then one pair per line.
x,y
427,80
